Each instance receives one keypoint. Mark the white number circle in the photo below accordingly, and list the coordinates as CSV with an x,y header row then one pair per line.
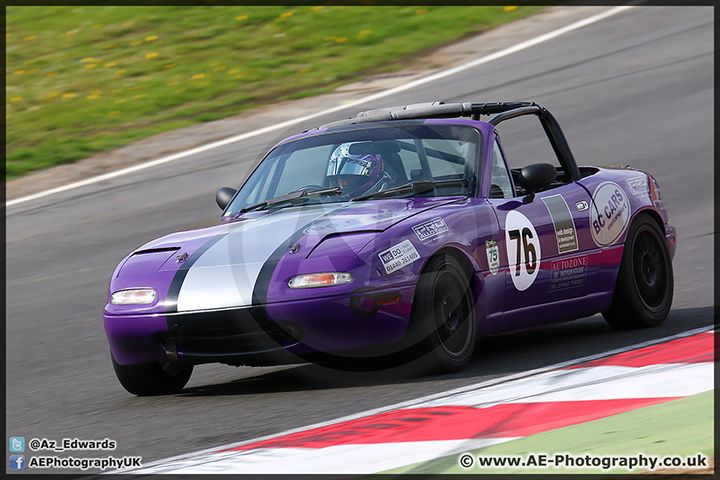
x,y
523,249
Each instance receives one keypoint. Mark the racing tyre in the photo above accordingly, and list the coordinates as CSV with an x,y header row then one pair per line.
x,y
443,316
157,378
644,288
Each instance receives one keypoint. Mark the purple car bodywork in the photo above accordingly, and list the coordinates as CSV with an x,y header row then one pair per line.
x,y
223,293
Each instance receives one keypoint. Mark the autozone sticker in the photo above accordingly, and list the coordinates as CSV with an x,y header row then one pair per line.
x,y
523,250
397,256
638,186
568,273
565,232
493,256
429,229
611,213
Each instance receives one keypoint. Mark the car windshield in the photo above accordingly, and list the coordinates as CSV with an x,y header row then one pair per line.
x,y
360,164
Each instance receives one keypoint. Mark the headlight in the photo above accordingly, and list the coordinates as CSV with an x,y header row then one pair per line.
x,y
133,297
313,280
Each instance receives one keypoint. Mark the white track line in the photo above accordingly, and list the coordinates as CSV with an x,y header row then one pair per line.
x,y
428,398
445,73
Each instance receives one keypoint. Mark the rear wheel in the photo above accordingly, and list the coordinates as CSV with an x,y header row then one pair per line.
x,y
644,288
157,378
444,315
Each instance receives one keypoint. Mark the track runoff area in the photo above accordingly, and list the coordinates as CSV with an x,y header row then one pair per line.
x,y
641,408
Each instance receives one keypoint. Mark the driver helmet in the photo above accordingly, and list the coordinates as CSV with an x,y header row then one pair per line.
x,y
354,174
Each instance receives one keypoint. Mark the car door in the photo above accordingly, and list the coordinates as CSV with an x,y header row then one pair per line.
x,y
547,251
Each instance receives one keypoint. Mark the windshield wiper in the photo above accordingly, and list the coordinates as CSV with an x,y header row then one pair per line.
x,y
291,198
421,186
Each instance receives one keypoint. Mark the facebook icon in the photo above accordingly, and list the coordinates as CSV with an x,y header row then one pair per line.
x,y
17,462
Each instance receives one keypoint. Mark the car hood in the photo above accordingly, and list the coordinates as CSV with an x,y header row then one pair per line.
x,y
218,266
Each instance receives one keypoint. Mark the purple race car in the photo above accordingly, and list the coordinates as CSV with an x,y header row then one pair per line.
x,y
402,233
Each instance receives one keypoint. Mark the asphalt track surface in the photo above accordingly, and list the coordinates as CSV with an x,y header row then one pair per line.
x,y
636,88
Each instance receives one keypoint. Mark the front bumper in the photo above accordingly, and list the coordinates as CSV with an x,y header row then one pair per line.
x,y
261,335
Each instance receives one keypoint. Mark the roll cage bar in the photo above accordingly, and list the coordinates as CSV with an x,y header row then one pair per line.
x,y
501,111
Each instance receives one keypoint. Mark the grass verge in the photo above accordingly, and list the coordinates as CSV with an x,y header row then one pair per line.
x,y
85,79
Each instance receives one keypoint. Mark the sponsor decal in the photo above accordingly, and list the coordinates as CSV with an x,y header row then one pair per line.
x,y
639,186
398,256
565,232
611,215
581,206
568,273
493,255
523,250
429,229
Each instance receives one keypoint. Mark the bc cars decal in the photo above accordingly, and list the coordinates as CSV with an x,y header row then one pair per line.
x,y
565,232
397,256
611,215
493,256
568,273
523,250
639,185
429,229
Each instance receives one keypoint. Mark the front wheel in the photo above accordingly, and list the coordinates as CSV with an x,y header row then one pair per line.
x,y
157,378
644,288
444,315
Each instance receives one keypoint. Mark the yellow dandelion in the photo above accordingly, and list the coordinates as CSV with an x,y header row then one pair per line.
x,y
138,97
330,39
169,66
181,90
151,38
33,70
110,64
51,74
28,38
315,9
7,35
117,90
68,95
133,88
241,18
421,11
19,72
120,71
510,8
220,68
7,117
98,60
99,25
198,76
87,60
233,72
16,99
287,14
171,84
116,112
366,32
151,55
92,65
135,44
341,40
96,92
92,97
242,75
53,95
118,102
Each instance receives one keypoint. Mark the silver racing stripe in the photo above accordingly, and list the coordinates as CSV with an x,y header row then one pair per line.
x,y
225,275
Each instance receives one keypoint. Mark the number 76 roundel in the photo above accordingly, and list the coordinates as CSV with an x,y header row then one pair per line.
x,y
523,249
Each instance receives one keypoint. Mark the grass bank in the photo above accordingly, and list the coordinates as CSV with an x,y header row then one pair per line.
x,y
85,79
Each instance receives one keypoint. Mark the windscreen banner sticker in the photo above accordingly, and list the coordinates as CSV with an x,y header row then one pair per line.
x,y
565,232
429,229
611,213
568,273
493,256
398,256
523,250
639,186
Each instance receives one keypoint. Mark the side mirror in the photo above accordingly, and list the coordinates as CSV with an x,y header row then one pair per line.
x,y
223,196
537,176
